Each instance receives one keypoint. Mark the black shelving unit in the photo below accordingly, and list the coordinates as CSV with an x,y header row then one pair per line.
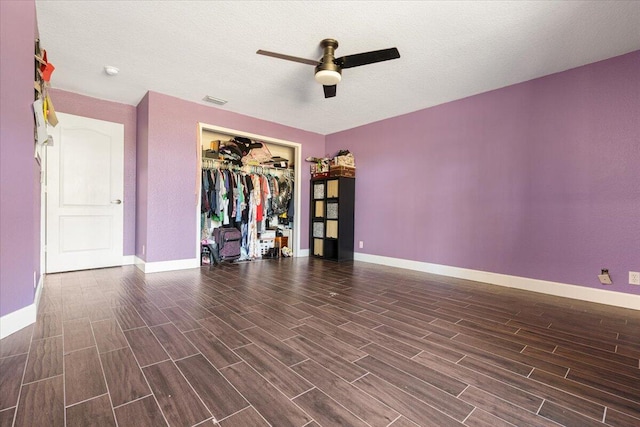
x,y
332,218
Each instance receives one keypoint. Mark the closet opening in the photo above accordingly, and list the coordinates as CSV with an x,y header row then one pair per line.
x,y
246,161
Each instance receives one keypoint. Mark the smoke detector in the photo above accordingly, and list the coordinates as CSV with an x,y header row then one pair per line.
x,y
111,70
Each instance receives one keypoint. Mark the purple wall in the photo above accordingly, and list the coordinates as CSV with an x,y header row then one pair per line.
x,y
19,172
80,105
171,171
539,179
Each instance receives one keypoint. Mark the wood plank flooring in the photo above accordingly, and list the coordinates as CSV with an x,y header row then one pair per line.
x,y
305,342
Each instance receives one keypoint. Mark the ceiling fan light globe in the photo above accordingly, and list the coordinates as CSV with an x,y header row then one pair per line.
x,y
328,77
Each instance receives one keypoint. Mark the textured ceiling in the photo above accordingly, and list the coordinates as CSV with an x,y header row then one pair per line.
x,y
449,50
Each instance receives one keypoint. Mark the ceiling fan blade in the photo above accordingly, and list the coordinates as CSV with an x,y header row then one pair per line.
x,y
359,59
287,57
329,91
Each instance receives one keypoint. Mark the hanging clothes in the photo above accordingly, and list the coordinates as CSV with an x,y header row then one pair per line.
x,y
204,205
292,204
258,196
239,199
244,200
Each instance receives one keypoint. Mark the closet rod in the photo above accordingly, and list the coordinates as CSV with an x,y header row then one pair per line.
x,y
216,164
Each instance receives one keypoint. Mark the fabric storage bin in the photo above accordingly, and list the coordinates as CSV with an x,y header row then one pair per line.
x,y
332,210
318,229
318,190
332,229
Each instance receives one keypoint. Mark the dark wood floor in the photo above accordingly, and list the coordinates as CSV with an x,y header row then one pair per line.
x,y
304,342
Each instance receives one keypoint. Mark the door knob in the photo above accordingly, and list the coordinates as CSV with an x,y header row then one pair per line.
x,y
116,202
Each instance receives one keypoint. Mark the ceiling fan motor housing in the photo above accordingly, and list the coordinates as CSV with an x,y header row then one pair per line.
x,y
328,73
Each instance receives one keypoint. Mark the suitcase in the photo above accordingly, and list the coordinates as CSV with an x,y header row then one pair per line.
x,y
227,246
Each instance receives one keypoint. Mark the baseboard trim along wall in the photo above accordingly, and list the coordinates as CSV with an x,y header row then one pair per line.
x,y
601,296
128,259
22,318
157,267
302,253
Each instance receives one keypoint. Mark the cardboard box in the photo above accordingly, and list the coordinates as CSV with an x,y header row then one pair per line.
x,y
320,175
210,150
347,160
319,167
320,170
344,171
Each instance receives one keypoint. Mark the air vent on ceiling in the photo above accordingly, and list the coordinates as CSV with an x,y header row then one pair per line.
x,y
214,100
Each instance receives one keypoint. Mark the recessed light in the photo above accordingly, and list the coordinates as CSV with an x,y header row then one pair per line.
x,y
110,70
214,100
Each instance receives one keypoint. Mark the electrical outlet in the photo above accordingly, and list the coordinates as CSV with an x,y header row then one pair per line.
x,y
605,279
634,278
361,244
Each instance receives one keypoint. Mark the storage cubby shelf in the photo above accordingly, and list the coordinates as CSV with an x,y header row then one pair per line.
x,y
332,218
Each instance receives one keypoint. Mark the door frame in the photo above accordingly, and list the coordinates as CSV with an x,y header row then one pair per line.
x,y
297,147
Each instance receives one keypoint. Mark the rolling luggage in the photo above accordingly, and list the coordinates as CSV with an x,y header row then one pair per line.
x,y
227,247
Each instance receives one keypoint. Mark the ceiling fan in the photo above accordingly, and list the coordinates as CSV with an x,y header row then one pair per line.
x,y
329,68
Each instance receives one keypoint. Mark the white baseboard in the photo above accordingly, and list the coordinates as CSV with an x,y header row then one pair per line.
x,y
23,317
128,259
302,253
157,267
566,290
138,262
17,320
36,299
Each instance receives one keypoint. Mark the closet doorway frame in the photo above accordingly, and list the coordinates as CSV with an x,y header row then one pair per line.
x,y
297,148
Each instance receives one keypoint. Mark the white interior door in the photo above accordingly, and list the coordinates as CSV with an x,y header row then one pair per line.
x,y
84,192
